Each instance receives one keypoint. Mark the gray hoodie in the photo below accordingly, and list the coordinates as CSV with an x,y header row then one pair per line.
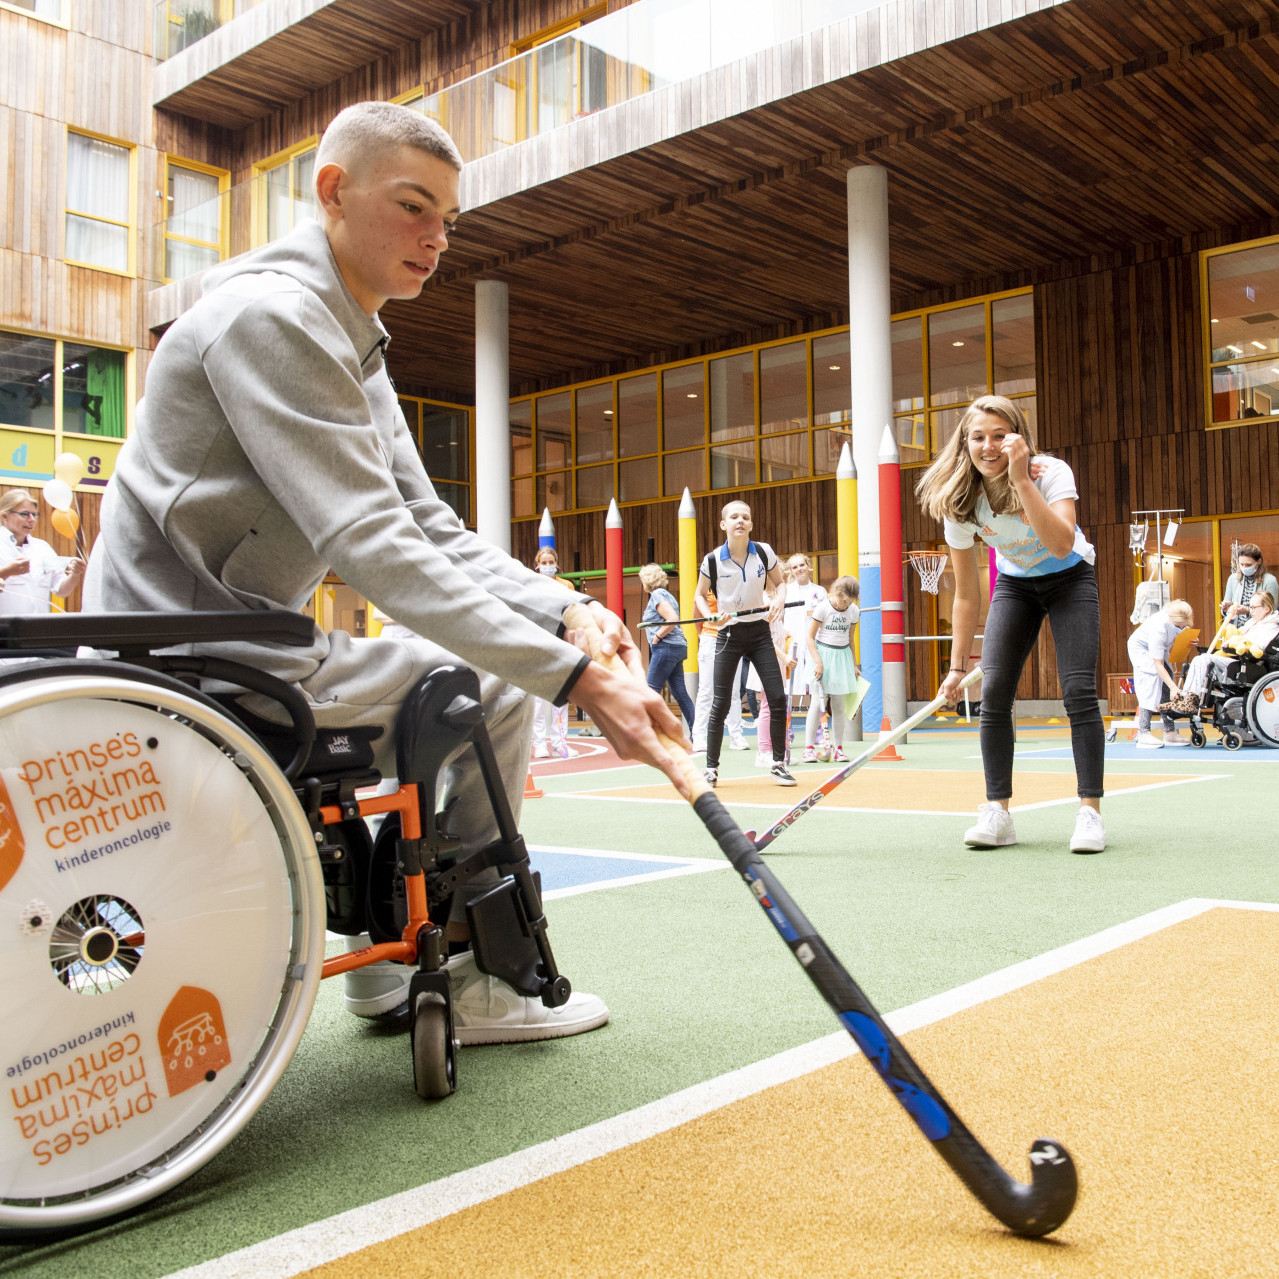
x,y
270,447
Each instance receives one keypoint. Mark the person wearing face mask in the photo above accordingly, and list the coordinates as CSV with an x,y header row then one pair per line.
x,y
1242,585
30,568
550,723
990,482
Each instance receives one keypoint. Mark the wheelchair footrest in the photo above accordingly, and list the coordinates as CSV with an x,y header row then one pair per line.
x,y
505,941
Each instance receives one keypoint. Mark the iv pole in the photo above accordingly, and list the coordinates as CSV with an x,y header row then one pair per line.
x,y
1159,535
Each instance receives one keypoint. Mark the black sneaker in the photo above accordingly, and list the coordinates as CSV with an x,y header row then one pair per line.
x,y
782,775
712,777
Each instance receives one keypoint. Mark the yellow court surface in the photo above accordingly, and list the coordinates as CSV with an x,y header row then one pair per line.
x,y
824,1174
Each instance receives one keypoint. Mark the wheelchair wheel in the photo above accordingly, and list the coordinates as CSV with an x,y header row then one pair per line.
x,y
161,933
1198,739
1263,708
434,1054
1231,741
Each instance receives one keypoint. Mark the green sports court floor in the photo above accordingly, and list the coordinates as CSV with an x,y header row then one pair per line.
x,y
1123,1004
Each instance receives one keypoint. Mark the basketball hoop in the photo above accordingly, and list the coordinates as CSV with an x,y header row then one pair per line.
x,y
930,566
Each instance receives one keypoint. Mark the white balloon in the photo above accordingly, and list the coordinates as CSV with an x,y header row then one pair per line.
x,y
58,494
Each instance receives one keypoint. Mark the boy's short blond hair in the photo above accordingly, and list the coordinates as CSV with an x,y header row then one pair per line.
x,y
367,130
737,501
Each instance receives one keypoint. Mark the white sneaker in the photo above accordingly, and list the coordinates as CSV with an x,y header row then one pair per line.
x,y
488,1011
378,989
1149,742
739,744
763,759
1090,831
994,828
810,755
540,751
1175,739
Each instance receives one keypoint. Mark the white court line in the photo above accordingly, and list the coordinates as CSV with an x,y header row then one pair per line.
x,y
347,1232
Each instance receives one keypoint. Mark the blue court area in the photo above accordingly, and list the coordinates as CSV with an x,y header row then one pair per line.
x,y
582,870
1213,752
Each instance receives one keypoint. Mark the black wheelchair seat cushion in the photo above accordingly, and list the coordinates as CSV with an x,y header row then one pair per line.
x,y
337,751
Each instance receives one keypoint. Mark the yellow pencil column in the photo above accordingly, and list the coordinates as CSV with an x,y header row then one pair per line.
x,y
688,574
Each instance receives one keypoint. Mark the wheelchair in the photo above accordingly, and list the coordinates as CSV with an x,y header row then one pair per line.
x,y
1242,702
169,864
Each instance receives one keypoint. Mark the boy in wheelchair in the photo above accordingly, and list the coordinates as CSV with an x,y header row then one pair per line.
x,y
270,448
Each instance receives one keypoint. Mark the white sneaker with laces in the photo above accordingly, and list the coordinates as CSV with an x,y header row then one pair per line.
x,y
1149,742
1090,832
378,989
488,1011
1175,739
994,828
810,755
738,743
540,751
763,759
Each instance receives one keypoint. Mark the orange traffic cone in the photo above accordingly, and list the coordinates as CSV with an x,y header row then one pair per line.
x,y
531,789
889,753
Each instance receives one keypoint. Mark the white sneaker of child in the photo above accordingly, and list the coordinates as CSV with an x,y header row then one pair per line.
x,y
1174,738
994,828
376,989
739,743
1090,832
488,1011
1147,741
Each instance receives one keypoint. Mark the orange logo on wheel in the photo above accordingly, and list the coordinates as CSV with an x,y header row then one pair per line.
x,y
1268,694
192,1039
12,845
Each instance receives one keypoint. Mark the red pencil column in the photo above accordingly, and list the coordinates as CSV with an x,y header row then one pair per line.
x,y
890,569
613,558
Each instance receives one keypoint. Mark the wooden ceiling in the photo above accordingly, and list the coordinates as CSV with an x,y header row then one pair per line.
x,y
306,55
1075,134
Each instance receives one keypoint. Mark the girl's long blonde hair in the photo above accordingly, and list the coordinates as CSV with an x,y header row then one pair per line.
x,y
949,489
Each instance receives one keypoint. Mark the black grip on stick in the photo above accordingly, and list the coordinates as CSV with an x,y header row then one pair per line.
x,y
1032,1210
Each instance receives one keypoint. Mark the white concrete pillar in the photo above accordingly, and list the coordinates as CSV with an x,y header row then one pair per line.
x,y
492,412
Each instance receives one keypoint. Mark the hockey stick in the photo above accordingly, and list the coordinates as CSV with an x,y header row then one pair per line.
x,y
881,743
1032,1210
743,612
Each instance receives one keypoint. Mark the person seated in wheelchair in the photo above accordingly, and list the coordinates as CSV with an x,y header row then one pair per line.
x,y
270,449
1250,643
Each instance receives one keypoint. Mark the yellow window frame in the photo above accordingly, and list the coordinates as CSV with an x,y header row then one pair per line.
x,y
261,168
223,243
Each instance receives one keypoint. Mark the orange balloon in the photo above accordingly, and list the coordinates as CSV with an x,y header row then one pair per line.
x,y
66,522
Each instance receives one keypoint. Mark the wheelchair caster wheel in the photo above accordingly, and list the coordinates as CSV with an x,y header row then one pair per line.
x,y
1231,741
434,1052
1197,740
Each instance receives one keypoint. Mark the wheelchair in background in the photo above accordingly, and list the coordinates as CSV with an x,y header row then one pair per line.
x,y
1241,702
169,864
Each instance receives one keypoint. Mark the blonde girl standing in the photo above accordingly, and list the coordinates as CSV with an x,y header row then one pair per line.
x,y
830,637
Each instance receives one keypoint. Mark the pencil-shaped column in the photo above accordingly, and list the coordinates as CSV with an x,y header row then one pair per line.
x,y
893,621
613,559
546,530
846,519
688,577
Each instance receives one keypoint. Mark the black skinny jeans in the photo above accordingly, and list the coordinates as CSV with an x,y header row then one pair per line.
x,y
1069,600
752,640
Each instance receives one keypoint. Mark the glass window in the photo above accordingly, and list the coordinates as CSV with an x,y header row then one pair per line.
x,y
944,423
733,465
554,431
682,471
94,391
458,496
1245,390
285,191
637,415
193,228
1012,331
446,444
912,438
907,338
784,457
54,10
552,491
98,222
639,480
832,383
732,380
26,380
783,387
957,355
412,410
683,407
1243,303
522,497
595,423
521,420
827,446
594,485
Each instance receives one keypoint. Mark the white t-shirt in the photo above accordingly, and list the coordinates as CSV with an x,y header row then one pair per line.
x,y
836,628
796,619
738,586
29,592
1018,550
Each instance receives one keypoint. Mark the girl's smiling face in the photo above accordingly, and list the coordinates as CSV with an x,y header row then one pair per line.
x,y
986,435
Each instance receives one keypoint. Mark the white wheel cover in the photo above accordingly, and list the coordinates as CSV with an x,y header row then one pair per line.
x,y
1263,708
108,798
